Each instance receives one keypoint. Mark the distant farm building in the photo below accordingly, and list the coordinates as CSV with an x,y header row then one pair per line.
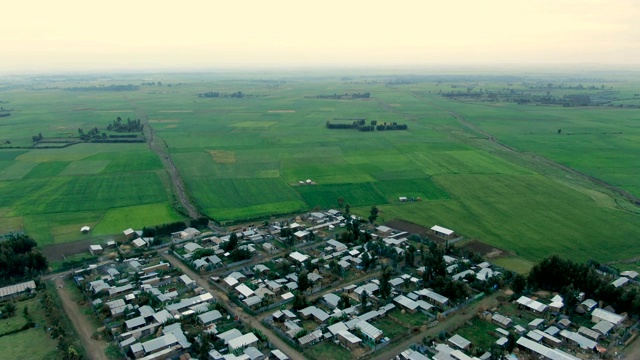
x,y
129,233
95,249
443,232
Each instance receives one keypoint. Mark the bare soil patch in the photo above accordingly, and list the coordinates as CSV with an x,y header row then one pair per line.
x,y
407,226
486,250
223,157
58,251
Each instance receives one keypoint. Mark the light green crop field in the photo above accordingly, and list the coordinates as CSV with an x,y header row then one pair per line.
x,y
245,158
52,193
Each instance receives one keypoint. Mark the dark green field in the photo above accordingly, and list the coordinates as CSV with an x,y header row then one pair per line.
x,y
244,158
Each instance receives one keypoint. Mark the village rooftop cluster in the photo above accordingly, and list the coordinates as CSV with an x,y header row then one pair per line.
x,y
311,289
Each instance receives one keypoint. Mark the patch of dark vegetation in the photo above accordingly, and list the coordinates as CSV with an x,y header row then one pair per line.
x,y
163,230
20,259
361,125
219,94
345,96
130,126
570,278
128,87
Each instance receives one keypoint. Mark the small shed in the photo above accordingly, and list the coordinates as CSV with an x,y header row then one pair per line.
x,y
95,249
442,232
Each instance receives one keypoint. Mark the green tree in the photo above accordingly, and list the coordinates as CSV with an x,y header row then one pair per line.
x,y
366,261
385,285
519,284
511,344
303,281
299,301
373,214
9,309
364,301
233,242
344,302
72,354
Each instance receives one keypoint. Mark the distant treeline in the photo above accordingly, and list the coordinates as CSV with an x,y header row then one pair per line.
x,y
128,87
344,96
520,97
219,94
362,126
20,259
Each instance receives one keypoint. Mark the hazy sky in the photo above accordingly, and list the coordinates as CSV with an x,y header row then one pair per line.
x,y
138,34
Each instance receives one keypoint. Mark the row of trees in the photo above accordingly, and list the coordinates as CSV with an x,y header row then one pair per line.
x,y
163,230
128,87
57,330
20,259
219,94
373,126
345,96
519,97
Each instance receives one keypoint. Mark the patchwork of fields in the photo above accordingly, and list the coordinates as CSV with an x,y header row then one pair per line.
x,y
243,158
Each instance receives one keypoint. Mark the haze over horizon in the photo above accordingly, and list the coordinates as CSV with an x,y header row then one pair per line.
x,y
73,35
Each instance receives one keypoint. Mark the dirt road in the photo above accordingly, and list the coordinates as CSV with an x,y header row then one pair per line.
x,y
158,146
255,323
94,349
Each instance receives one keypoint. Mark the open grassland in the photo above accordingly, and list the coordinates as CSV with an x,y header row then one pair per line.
x,y
29,344
34,343
601,142
244,158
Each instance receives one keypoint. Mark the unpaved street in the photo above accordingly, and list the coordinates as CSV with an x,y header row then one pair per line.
x,y
252,321
94,349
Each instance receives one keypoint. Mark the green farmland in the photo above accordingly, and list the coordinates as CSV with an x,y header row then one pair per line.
x,y
245,158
